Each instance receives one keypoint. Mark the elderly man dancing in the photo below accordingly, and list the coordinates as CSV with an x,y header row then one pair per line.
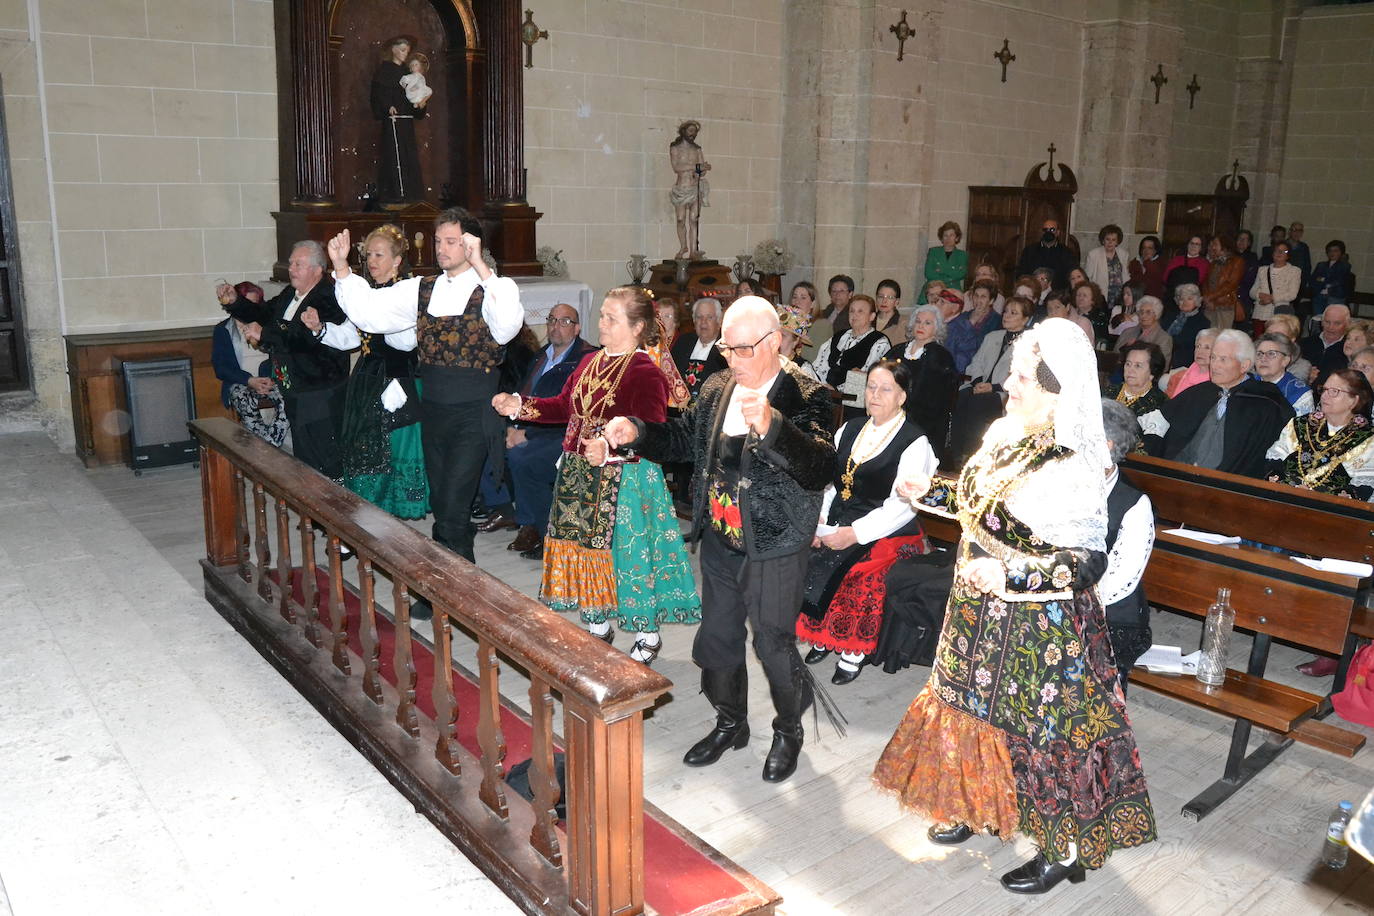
x,y
759,436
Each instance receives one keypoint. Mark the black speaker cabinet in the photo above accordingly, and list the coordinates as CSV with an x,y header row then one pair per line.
x,y
162,400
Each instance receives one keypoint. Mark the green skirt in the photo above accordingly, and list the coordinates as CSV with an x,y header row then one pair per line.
x,y
385,468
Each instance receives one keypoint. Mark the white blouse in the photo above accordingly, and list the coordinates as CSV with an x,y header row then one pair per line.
x,y
917,460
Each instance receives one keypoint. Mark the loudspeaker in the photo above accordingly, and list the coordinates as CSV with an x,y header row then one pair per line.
x,y
162,400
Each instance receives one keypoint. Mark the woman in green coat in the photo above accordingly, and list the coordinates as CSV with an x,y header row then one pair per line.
x,y
945,262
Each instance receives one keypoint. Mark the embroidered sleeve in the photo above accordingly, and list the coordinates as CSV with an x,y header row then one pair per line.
x,y
1286,444
1061,571
1130,553
940,498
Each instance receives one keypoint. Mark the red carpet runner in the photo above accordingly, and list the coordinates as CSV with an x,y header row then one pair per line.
x,y
678,879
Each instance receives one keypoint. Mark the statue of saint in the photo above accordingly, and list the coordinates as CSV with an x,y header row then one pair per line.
x,y
393,85
689,191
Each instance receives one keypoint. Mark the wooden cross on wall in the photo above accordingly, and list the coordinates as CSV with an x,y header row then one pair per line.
x,y
903,32
1004,56
1159,79
1192,88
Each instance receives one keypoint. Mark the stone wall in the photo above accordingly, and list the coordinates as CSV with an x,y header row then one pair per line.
x,y
1326,181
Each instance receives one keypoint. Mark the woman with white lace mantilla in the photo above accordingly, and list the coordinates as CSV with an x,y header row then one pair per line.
x,y
1022,726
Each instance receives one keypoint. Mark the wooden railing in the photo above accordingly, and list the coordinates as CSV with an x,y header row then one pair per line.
x,y
593,866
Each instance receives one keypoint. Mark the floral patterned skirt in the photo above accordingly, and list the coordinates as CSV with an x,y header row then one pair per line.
x,y
853,616
1023,708
614,549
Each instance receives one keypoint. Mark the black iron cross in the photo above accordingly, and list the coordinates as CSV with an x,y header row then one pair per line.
x,y
903,32
529,34
1052,151
1192,88
1159,79
1005,56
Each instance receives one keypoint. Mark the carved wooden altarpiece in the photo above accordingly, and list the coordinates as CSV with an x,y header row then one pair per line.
x,y
470,143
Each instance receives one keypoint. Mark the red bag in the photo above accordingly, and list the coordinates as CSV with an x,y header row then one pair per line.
x,y
1356,702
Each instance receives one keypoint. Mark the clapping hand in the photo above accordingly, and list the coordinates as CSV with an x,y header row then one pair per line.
x,y
338,248
472,248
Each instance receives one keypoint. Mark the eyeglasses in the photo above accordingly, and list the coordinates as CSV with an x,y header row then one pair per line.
x,y
565,322
1328,388
1268,354
743,351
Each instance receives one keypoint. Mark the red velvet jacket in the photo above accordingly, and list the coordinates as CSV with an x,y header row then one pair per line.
x,y
642,393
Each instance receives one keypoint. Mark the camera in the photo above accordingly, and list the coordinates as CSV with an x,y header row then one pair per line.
x,y
1047,236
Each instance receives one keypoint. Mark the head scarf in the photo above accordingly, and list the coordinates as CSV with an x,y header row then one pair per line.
x,y
1066,352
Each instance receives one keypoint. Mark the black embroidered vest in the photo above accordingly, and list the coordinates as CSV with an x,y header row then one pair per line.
x,y
457,341
841,361
873,479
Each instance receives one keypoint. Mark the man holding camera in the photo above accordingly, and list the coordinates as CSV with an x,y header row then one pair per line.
x,y
1050,252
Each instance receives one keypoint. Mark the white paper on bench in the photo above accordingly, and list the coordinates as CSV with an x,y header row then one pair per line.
x,y
1205,537
1344,567
1169,660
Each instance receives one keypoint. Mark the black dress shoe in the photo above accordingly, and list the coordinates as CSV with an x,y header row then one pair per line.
x,y
525,539
498,522
534,553
816,654
420,609
781,761
722,738
949,835
845,675
1039,875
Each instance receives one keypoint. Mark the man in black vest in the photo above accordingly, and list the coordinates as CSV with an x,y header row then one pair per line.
x,y
462,320
309,360
760,437
1130,536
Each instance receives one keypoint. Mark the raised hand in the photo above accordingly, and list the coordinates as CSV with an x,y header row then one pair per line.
x,y
311,318
338,248
472,248
225,293
758,413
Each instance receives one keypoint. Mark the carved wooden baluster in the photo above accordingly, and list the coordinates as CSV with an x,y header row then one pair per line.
x,y
543,778
260,533
338,629
310,594
372,646
241,538
404,662
284,605
490,738
445,703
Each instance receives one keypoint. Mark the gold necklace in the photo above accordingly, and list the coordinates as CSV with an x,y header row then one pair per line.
x,y
853,462
1317,468
1123,398
595,391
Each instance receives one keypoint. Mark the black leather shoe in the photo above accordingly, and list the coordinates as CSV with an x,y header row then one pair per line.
x,y
781,761
534,553
525,539
722,738
498,522
950,835
1039,876
845,675
817,654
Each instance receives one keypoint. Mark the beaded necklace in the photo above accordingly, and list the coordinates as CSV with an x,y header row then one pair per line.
x,y
1316,459
852,464
992,471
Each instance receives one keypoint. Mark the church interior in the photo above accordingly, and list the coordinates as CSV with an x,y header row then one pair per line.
x,y
166,754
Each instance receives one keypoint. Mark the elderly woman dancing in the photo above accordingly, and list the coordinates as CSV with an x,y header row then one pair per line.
x,y
1022,726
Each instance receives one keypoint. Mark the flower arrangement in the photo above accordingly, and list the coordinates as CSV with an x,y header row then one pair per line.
x,y
771,256
552,261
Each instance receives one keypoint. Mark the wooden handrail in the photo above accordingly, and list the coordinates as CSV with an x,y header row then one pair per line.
x,y
600,867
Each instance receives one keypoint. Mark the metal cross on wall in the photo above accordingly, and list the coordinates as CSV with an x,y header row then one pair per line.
x,y
1159,79
1004,56
529,34
1192,88
903,32
1051,150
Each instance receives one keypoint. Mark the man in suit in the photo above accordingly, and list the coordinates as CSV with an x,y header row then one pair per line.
x,y
695,355
760,437
308,337
532,449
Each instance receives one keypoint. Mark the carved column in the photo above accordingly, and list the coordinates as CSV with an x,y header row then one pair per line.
x,y
314,157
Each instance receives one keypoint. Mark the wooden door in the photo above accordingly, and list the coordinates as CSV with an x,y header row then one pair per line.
x,y
14,363
995,217
1186,215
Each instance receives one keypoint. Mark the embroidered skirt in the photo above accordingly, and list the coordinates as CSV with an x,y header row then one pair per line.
x,y
1022,727
383,463
852,616
614,549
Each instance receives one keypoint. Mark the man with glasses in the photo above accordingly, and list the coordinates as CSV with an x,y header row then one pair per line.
x,y
1048,251
695,355
1274,353
533,449
760,438
1226,423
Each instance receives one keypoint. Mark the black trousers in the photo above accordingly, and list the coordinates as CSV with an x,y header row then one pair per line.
x,y
316,418
455,448
766,593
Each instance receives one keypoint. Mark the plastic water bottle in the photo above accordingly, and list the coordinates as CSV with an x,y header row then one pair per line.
x,y
1335,851
1216,639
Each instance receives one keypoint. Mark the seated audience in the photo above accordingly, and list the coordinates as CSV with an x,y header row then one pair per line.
x,y
1276,287
1059,304
796,327
1289,326
1105,265
950,304
1148,328
1363,362
1274,353
245,375
695,354
1044,279
1188,266
1227,423
1130,536
946,262
1331,280
749,287
1089,304
1277,235
1141,366
1076,278
889,320
864,525
966,331
1147,268
803,300
1199,370
981,399
1326,349
841,289
1190,321
1219,297
933,377
993,276
852,350
1050,252
669,316
1122,316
